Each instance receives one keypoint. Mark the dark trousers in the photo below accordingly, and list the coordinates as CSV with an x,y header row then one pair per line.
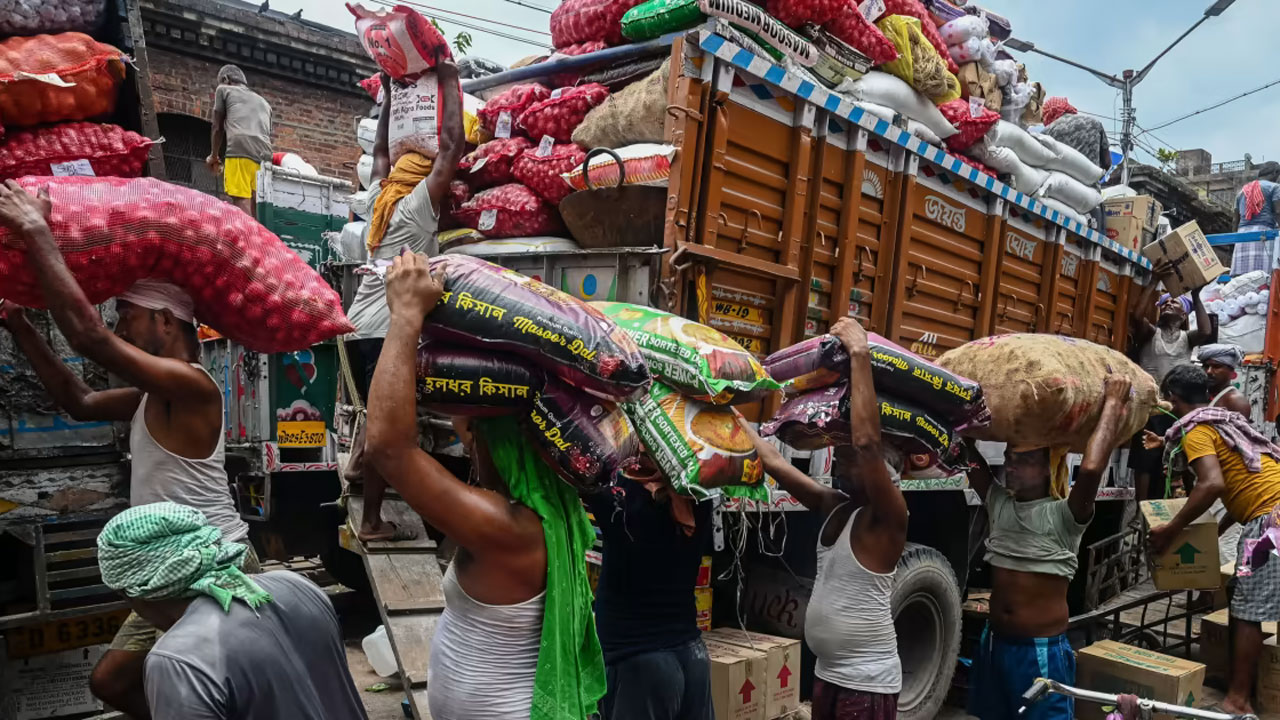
x,y
672,684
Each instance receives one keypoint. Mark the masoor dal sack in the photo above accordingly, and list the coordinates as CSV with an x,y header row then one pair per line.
x,y
583,438
457,381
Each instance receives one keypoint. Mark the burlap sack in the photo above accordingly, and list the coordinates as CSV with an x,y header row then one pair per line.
x,y
632,115
1046,390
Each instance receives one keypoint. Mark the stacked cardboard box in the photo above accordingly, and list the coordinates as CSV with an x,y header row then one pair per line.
x,y
1215,645
782,666
1132,221
738,684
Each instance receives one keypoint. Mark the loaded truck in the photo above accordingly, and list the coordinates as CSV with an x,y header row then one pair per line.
x,y
789,207
60,481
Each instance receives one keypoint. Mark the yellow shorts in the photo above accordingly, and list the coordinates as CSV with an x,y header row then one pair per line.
x,y
240,177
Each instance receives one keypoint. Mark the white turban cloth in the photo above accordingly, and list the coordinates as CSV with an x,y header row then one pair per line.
x,y
158,295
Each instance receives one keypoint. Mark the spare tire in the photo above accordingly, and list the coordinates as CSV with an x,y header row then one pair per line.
x,y
926,617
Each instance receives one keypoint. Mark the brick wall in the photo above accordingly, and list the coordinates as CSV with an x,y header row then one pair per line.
x,y
315,123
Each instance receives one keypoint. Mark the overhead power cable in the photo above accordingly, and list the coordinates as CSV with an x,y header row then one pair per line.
x,y
1215,106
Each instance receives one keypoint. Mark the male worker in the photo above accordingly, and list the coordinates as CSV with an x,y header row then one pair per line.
x,y
242,119
657,667
1234,462
517,631
1221,361
406,202
234,648
172,404
1160,347
1257,208
849,622
1034,535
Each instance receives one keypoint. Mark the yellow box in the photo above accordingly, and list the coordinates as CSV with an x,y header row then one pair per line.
x,y
702,598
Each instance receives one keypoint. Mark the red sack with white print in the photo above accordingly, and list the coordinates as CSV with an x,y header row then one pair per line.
x,y
79,148
510,210
795,13
400,40
578,21
562,113
503,110
850,26
973,120
246,283
540,169
491,163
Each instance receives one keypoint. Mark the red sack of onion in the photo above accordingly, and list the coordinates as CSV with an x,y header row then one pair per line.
x,y
511,210
971,117
499,114
795,13
582,48
851,27
562,113
459,192
246,283
578,21
541,168
78,148
490,164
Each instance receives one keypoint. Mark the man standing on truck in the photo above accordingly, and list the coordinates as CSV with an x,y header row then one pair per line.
x,y
1162,346
1257,208
174,408
1234,462
849,622
406,210
241,119
1032,547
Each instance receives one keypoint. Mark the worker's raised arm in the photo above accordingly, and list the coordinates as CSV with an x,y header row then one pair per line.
x,y
1097,453
807,491
1139,312
1204,328
452,136
382,138
980,475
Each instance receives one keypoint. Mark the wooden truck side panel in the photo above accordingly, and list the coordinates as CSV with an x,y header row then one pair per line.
x,y
1022,284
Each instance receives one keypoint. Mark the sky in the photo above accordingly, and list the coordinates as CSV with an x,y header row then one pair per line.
x,y
1224,57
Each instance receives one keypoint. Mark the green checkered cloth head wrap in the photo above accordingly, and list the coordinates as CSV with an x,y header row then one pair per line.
x,y
166,550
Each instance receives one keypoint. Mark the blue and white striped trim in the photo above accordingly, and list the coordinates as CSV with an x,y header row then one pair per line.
x,y
772,73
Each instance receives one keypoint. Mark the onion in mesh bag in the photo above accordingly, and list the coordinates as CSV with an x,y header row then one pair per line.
x,y
562,113
246,283
541,171
503,110
109,150
798,12
510,210
578,21
93,69
34,17
491,163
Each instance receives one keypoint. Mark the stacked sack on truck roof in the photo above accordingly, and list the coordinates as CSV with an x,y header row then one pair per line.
x,y
1241,306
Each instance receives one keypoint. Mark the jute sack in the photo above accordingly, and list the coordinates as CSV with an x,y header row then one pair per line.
x,y
1046,390
633,115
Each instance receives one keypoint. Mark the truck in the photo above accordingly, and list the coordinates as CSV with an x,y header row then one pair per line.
x,y
788,206
60,481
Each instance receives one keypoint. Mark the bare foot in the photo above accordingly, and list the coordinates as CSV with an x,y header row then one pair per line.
x,y
382,531
1236,707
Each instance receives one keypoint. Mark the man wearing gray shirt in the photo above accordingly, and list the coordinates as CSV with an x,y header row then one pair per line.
x,y
242,119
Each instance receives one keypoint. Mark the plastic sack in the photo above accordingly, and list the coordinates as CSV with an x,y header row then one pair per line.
x,y
635,114
1006,72
87,83
359,204
586,440
922,131
74,149
350,246
367,134
510,210
969,27
1066,189
1022,177
916,9
1022,143
795,13
499,310
1070,161
416,120
1241,285
972,50
491,163
852,28
1064,210
697,446
517,246
575,21
470,68
885,89
461,382
499,114
540,169
918,64
696,360
373,86
400,40
37,17
822,361
1047,390
751,18
364,171
656,18
642,164
246,283
972,122
562,113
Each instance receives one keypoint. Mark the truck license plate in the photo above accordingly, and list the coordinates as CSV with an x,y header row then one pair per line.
x,y
301,434
64,634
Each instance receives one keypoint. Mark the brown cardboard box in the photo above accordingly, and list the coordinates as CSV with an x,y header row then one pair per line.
x,y
782,673
1126,230
702,598
1225,574
1215,646
738,685
1269,677
1194,262
1144,207
1111,667
1192,559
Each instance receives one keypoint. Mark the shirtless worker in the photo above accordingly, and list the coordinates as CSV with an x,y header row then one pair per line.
x,y
174,408
1033,541
849,621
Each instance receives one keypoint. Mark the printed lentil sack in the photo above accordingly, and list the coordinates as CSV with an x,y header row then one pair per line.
x,y
690,357
699,447
400,40
35,17
822,362
246,283
507,211
72,148
463,382
1047,390
579,21
489,307
585,439
94,71
562,113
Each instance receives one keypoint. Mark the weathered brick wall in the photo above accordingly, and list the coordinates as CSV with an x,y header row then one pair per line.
x,y
313,122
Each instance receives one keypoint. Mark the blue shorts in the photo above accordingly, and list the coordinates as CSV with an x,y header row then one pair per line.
x,y
1006,667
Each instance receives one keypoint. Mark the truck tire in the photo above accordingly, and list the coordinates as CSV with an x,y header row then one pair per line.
x,y
926,616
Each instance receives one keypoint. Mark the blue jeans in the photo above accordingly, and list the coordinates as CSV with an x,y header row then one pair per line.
x,y
1006,667
672,684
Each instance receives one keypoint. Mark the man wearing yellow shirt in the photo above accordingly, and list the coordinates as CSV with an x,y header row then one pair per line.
x,y
1231,461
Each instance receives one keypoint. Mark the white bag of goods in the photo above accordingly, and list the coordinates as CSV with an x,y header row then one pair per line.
x,y
1076,195
965,28
516,246
972,50
400,40
1016,99
1241,285
367,134
359,204
1070,161
642,164
294,162
1022,177
881,111
1249,331
1064,210
891,91
1006,72
42,17
364,171
924,132
416,121
1023,144
350,244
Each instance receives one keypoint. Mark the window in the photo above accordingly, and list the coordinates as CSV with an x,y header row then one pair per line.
x,y
185,147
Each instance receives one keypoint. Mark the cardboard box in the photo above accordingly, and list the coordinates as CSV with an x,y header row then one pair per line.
x,y
1194,262
1127,231
1215,645
1111,667
738,685
1191,562
702,598
1269,677
1143,207
782,673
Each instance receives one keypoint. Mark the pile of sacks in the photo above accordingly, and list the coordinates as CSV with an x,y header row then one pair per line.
x,y
1040,166
1241,306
